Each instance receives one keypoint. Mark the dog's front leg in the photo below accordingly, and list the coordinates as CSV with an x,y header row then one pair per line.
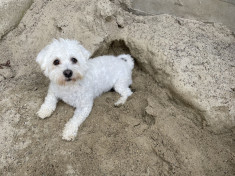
x,y
71,127
48,106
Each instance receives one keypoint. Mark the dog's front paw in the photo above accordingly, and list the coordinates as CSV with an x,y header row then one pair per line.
x,y
44,112
70,132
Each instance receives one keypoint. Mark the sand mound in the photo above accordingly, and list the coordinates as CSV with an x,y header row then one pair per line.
x,y
183,85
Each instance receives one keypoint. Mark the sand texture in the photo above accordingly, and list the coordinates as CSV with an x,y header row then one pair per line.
x,y
179,121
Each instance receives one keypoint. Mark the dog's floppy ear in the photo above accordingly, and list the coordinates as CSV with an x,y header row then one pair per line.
x,y
42,59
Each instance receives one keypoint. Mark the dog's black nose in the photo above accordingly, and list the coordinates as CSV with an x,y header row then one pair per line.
x,y
68,73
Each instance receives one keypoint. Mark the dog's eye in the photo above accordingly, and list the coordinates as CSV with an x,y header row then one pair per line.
x,y
74,60
56,62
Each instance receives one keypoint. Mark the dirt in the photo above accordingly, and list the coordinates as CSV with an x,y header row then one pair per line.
x,y
153,133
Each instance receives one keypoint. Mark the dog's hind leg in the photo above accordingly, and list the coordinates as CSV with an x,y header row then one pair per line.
x,y
122,87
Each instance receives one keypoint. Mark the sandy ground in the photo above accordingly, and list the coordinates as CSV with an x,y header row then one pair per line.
x,y
152,134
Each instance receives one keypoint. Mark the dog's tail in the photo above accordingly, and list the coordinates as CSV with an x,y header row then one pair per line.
x,y
128,59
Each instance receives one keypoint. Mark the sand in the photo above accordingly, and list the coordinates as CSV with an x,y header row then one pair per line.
x,y
154,133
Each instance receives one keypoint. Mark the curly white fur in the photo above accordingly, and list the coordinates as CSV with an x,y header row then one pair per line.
x,y
90,78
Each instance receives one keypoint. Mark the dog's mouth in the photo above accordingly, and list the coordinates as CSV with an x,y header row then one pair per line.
x,y
68,79
71,79
63,81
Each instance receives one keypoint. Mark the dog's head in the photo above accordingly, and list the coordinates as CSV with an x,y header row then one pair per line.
x,y
63,61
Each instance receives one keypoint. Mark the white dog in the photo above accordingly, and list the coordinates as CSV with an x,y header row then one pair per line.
x,y
77,80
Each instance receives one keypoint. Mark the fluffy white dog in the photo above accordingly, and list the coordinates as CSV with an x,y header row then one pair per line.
x,y
77,80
